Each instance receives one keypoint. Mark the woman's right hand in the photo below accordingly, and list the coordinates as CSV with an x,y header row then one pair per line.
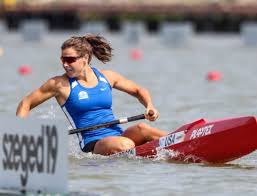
x,y
151,114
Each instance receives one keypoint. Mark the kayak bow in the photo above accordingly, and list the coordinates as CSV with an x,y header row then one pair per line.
x,y
201,141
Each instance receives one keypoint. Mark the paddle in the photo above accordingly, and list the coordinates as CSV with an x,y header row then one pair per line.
x,y
108,124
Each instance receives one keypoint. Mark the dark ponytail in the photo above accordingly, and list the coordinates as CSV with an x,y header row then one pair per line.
x,y
90,45
100,48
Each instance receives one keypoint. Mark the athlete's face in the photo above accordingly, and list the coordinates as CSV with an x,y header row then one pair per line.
x,y
73,64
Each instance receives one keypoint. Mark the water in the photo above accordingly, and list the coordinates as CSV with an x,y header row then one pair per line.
x,y
176,78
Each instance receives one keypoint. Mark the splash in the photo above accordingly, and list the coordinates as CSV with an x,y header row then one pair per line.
x,y
161,155
165,154
74,149
47,113
76,153
128,154
174,156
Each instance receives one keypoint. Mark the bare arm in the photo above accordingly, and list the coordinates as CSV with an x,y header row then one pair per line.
x,y
45,92
121,83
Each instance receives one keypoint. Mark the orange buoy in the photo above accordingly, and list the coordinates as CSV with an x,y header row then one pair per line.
x,y
24,70
136,54
214,76
1,51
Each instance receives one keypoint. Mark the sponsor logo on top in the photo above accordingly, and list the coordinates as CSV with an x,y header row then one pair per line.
x,y
83,95
201,131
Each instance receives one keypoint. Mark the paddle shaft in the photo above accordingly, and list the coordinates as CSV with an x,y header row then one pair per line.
x,y
108,124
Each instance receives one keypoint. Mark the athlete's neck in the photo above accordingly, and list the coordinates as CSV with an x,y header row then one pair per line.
x,y
86,74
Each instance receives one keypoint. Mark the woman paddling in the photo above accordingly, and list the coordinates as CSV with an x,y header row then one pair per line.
x,y
85,95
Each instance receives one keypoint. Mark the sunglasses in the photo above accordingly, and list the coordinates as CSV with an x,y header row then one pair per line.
x,y
69,59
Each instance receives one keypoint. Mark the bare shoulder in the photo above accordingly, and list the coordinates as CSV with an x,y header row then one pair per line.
x,y
119,82
107,72
112,76
110,73
56,82
59,79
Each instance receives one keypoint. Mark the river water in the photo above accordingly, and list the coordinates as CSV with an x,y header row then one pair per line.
x,y
176,78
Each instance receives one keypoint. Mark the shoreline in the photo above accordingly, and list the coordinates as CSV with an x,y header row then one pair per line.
x,y
214,16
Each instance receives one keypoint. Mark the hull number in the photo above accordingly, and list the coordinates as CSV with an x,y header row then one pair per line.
x,y
172,139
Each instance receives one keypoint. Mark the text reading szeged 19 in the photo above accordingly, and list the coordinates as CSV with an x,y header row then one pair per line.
x,y
30,153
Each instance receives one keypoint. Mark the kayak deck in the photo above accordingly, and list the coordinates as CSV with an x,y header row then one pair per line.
x,y
201,141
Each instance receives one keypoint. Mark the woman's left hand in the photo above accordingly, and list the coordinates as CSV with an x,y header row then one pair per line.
x,y
151,114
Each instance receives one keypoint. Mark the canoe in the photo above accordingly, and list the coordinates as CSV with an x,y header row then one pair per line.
x,y
217,141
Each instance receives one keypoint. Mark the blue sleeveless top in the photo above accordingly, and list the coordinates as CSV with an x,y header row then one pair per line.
x,y
91,106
